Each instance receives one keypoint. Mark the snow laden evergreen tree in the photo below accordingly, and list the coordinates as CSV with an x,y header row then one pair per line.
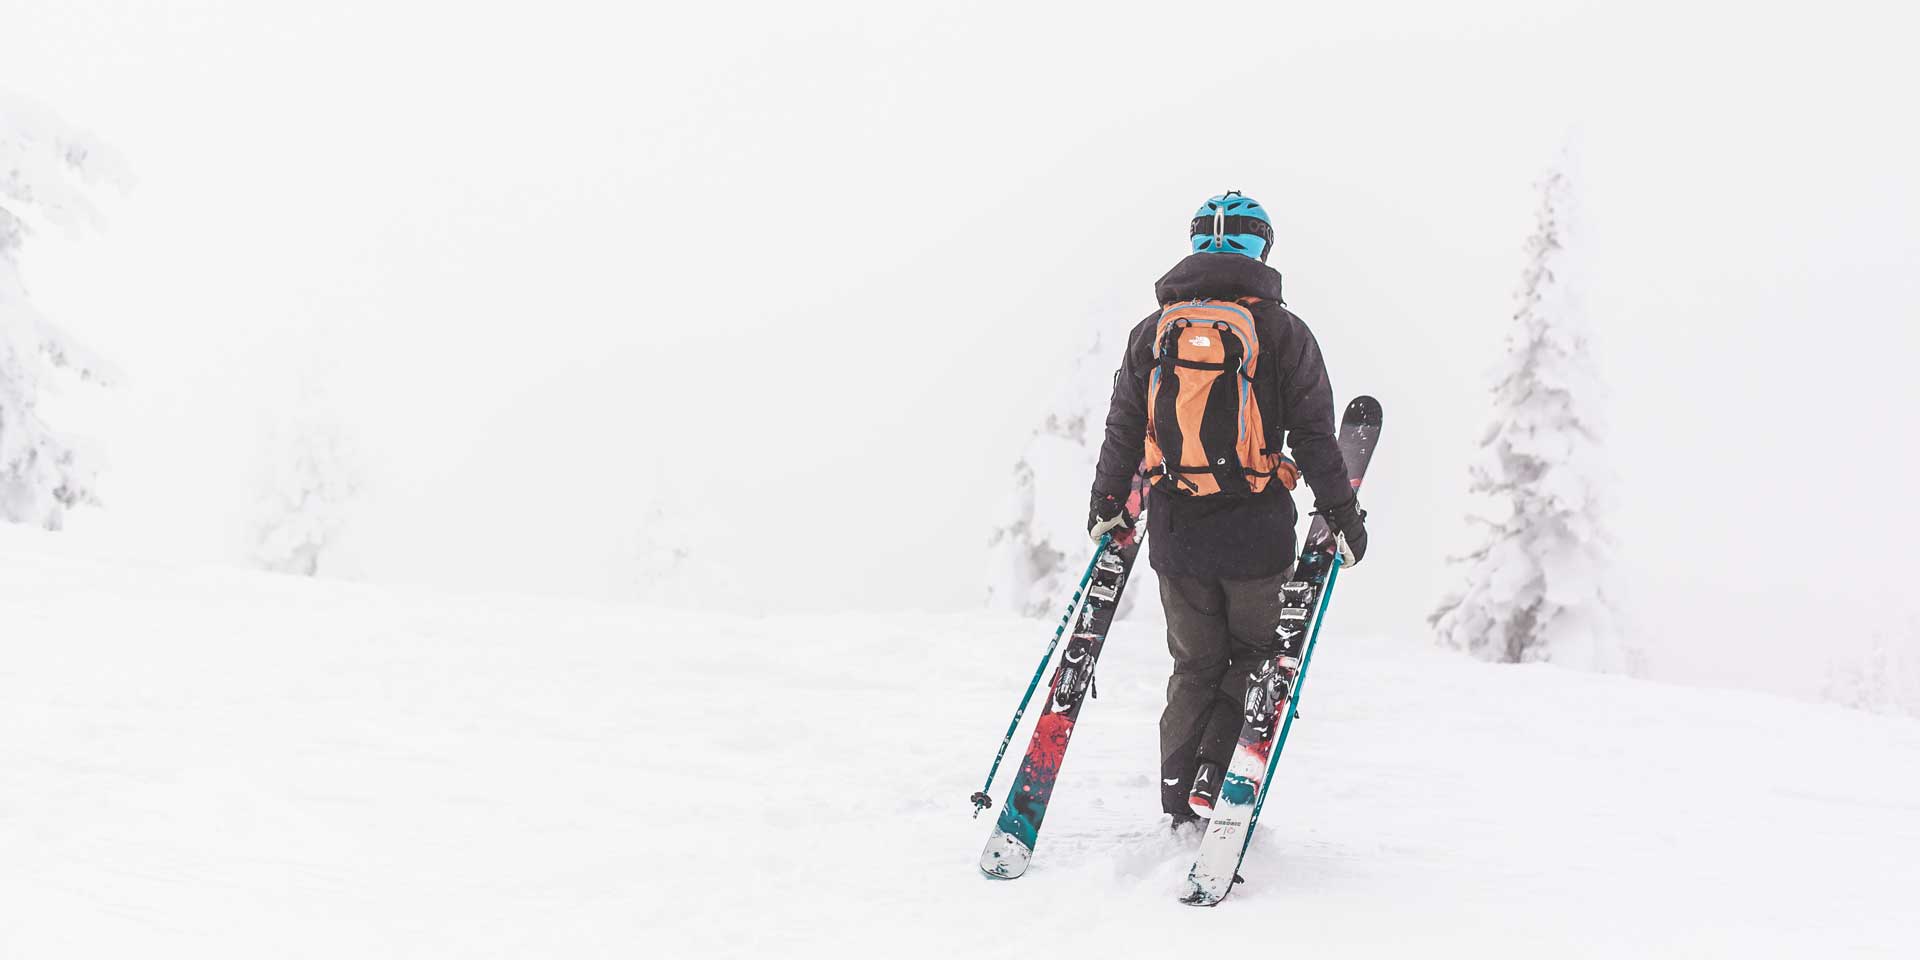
x,y
1885,676
663,559
1534,590
674,557
45,170
1040,550
310,482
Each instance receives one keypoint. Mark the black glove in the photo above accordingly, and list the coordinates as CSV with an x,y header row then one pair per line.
x,y
1105,514
1350,523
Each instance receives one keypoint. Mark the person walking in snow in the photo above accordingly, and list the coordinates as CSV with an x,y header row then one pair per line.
x,y
1210,388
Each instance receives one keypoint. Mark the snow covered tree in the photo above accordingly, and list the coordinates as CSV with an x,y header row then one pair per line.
x,y
1039,553
45,168
677,554
310,481
1535,588
663,560
1885,678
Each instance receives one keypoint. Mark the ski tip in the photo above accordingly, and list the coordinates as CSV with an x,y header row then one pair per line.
x,y
1362,409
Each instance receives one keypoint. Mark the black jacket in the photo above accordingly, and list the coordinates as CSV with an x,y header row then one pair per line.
x,y
1220,536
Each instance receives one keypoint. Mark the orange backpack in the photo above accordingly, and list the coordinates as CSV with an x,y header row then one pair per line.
x,y
1204,432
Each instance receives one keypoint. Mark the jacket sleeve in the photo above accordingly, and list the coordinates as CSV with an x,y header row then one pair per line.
x,y
1126,441
1306,396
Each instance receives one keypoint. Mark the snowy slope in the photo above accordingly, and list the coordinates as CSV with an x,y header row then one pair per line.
x,y
206,763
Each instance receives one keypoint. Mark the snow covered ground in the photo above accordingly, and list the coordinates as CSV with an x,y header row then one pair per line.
x,y
197,762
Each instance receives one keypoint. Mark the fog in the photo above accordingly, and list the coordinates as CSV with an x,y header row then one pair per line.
x,y
796,277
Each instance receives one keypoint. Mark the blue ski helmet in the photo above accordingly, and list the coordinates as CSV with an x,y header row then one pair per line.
x,y
1231,223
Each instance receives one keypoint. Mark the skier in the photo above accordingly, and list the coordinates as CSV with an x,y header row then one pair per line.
x,y
1209,388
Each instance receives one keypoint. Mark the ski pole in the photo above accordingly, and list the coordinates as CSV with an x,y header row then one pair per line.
x,y
1293,701
981,800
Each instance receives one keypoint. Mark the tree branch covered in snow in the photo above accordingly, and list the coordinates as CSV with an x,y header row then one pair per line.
x,y
45,170
1039,552
1534,588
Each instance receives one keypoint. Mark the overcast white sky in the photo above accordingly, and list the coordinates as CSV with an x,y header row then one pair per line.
x,y
553,263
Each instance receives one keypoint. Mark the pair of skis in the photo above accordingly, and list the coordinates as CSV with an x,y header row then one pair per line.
x,y
1273,690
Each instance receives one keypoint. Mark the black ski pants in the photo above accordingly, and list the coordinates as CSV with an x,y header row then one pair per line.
x,y
1216,631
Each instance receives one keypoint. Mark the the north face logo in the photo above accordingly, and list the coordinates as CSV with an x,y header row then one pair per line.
x,y
1201,342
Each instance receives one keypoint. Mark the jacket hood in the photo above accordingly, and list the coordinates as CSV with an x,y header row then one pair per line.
x,y
1218,276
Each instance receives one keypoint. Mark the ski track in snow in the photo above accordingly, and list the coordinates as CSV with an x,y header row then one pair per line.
x,y
208,763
